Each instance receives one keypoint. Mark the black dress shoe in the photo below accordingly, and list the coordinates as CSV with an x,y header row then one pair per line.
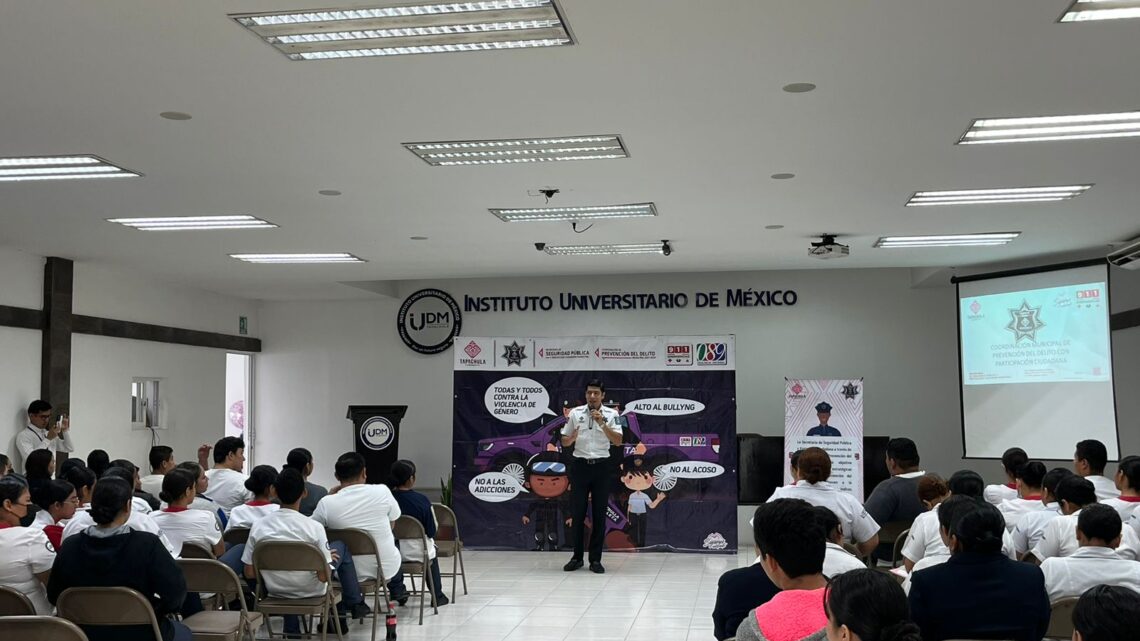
x,y
572,565
596,567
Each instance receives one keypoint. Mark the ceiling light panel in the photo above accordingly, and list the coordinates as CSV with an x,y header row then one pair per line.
x,y
952,240
996,196
194,223
521,150
297,258
605,250
411,28
1090,10
60,168
575,214
1047,128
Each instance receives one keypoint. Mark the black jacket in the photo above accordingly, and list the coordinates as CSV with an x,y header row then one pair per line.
x,y
737,593
135,560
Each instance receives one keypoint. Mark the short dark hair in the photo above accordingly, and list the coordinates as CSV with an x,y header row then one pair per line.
x,y
80,477
298,459
290,486
1076,490
1012,459
1107,613
226,446
348,466
966,483
1130,468
1031,474
903,451
261,478
788,531
192,467
1100,522
11,489
403,470
119,472
67,465
872,605
54,492
111,496
160,454
596,382
980,529
794,459
37,406
1094,453
827,520
125,464
98,461
1053,477
4,461
38,463
175,484
952,509
814,465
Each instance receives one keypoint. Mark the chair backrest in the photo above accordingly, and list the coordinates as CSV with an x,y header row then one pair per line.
x,y
358,542
446,524
287,556
107,606
39,628
13,603
236,536
896,549
191,550
1061,621
208,575
407,527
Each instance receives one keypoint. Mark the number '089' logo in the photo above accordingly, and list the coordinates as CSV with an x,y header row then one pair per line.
x,y
712,353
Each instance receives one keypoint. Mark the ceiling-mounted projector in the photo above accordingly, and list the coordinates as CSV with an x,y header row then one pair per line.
x,y
1127,256
827,248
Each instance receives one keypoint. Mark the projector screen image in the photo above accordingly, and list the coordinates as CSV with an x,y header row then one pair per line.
x,y
1036,363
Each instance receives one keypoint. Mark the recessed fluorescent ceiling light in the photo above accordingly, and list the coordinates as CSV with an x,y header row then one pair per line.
x,y
60,168
566,214
193,223
411,28
1043,128
996,196
1085,10
501,152
605,250
955,240
297,258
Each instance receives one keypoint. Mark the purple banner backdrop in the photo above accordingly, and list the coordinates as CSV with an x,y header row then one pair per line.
x,y
673,480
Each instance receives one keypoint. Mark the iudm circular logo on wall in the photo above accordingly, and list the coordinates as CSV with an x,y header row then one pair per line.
x,y
429,321
377,433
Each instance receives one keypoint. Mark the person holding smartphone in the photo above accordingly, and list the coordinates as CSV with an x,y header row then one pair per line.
x,y
42,433
591,428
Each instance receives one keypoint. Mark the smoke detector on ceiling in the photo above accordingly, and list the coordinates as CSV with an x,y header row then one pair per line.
x,y
827,248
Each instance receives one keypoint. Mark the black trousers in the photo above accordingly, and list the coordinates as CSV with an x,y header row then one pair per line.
x,y
589,482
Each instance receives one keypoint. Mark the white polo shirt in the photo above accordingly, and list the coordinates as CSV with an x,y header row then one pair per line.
x,y
1012,510
139,504
1031,528
289,525
858,526
248,514
1105,487
42,520
1060,539
1072,575
995,494
182,525
925,539
227,488
592,441
141,522
836,561
32,438
24,553
365,507
1124,505
152,483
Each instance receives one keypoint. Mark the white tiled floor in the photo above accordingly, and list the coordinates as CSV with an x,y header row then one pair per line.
x,y
525,596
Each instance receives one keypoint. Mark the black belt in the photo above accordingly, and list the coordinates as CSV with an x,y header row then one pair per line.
x,y
591,461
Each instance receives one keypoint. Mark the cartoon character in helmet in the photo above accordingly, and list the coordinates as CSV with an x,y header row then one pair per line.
x,y
547,479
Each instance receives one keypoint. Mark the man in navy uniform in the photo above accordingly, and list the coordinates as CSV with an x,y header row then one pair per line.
x,y
823,411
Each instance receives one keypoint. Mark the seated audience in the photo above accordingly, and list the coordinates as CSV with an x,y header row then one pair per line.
x,y
814,470
355,503
5,465
138,521
1096,562
737,592
110,553
98,461
401,479
83,480
979,593
836,559
202,502
932,490
1089,461
896,499
260,484
1107,613
865,605
26,556
57,503
301,459
924,539
1029,492
39,468
182,525
1031,525
1011,460
794,466
143,501
1128,482
227,482
288,524
67,465
792,549
947,511
161,460
1060,535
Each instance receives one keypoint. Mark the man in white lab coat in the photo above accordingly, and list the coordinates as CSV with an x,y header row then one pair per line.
x,y
1096,562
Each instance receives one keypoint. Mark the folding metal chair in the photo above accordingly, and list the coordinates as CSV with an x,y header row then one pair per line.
x,y
14,603
192,550
360,543
208,575
39,628
107,606
448,544
1061,620
294,556
236,536
409,529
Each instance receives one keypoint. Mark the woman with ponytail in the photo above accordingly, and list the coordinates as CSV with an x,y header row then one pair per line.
x,y
865,605
301,459
401,480
260,483
112,554
979,593
181,524
26,556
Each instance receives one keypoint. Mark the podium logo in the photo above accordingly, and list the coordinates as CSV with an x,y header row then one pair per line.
x,y
429,321
377,433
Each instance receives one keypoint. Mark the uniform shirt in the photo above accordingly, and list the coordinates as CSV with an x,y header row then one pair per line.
x,y
1013,509
250,513
289,525
1091,565
925,539
139,504
995,494
32,438
1124,505
181,525
24,553
858,526
227,488
1031,527
592,441
371,508
1060,539
42,520
836,561
140,522
152,483
1105,487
